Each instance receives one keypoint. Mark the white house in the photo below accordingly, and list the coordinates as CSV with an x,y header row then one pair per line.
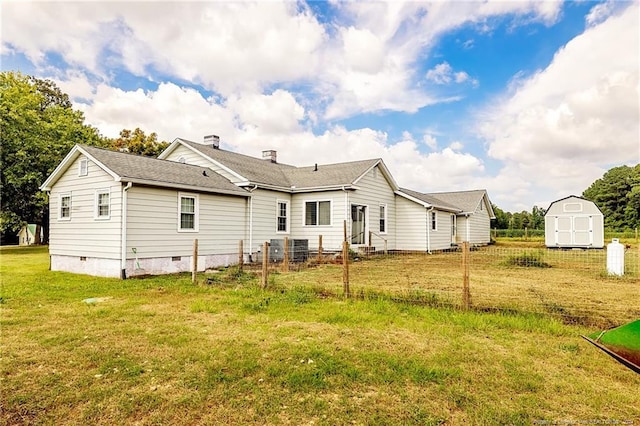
x,y
119,215
116,214
27,235
304,202
574,222
473,221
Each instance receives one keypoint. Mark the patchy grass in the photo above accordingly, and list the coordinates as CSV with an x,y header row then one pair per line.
x,y
163,351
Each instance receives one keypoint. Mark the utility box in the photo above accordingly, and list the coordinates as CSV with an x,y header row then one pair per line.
x,y
298,250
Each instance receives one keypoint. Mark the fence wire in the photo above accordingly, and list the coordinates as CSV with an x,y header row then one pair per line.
x,y
573,285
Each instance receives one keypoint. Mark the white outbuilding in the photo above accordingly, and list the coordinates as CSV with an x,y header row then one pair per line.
x,y
574,222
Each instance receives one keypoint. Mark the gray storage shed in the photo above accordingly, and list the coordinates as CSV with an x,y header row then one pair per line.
x,y
574,222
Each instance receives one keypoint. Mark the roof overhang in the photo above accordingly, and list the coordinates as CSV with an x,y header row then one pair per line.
x,y
426,204
201,189
75,152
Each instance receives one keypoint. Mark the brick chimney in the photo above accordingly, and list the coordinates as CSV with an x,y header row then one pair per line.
x,y
212,141
270,155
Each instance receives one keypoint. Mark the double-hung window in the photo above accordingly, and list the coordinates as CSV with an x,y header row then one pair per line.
x,y
65,207
317,213
282,216
188,213
103,206
383,218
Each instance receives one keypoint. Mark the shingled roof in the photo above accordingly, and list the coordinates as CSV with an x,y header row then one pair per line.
x,y
149,171
467,201
431,200
287,177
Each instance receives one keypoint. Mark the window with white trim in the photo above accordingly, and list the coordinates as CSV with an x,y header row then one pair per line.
x,y
83,167
64,212
383,218
188,213
282,216
434,221
103,204
317,213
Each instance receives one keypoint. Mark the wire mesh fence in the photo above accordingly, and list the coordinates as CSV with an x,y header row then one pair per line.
x,y
573,285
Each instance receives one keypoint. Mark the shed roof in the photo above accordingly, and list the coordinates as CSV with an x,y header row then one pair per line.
x,y
569,197
127,167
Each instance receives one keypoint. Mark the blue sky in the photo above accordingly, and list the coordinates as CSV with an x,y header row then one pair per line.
x,y
530,100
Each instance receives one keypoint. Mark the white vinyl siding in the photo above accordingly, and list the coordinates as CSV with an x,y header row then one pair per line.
x,y
64,212
152,229
265,217
332,236
188,213
374,190
475,228
414,222
411,225
81,234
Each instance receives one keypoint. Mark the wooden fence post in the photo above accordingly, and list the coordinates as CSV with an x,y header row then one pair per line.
x,y
320,249
240,256
466,297
345,263
194,272
285,260
265,264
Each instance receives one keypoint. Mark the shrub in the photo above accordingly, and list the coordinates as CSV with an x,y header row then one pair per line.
x,y
528,259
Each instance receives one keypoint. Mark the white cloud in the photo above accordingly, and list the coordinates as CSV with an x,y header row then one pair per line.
x,y
563,126
443,74
430,141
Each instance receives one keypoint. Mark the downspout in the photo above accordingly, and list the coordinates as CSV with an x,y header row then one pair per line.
x,y
347,211
123,233
468,236
251,222
429,210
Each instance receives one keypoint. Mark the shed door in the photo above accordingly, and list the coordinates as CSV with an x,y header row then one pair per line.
x,y
563,230
582,230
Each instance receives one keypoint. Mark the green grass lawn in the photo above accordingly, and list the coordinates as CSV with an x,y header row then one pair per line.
x,y
163,351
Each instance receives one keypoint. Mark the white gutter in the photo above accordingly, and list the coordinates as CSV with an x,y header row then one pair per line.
x,y
347,211
123,233
429,210
251,220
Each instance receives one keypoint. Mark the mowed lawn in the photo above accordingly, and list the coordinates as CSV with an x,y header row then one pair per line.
x,y
163,351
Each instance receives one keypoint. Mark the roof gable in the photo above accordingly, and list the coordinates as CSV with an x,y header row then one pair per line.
x,y
549,209
467,201
126,167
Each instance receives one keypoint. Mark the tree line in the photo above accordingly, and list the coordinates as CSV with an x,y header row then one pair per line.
x,y
38,127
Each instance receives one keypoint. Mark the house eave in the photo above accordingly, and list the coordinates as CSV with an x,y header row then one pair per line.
x,y
192,188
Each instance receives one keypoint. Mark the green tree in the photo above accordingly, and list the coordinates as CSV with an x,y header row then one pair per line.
x,y
618,196
502,218
38,128
137,142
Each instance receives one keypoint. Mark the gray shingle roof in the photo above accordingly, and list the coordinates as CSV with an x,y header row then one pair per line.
x,y
467,201
152,171
258,171
435,202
